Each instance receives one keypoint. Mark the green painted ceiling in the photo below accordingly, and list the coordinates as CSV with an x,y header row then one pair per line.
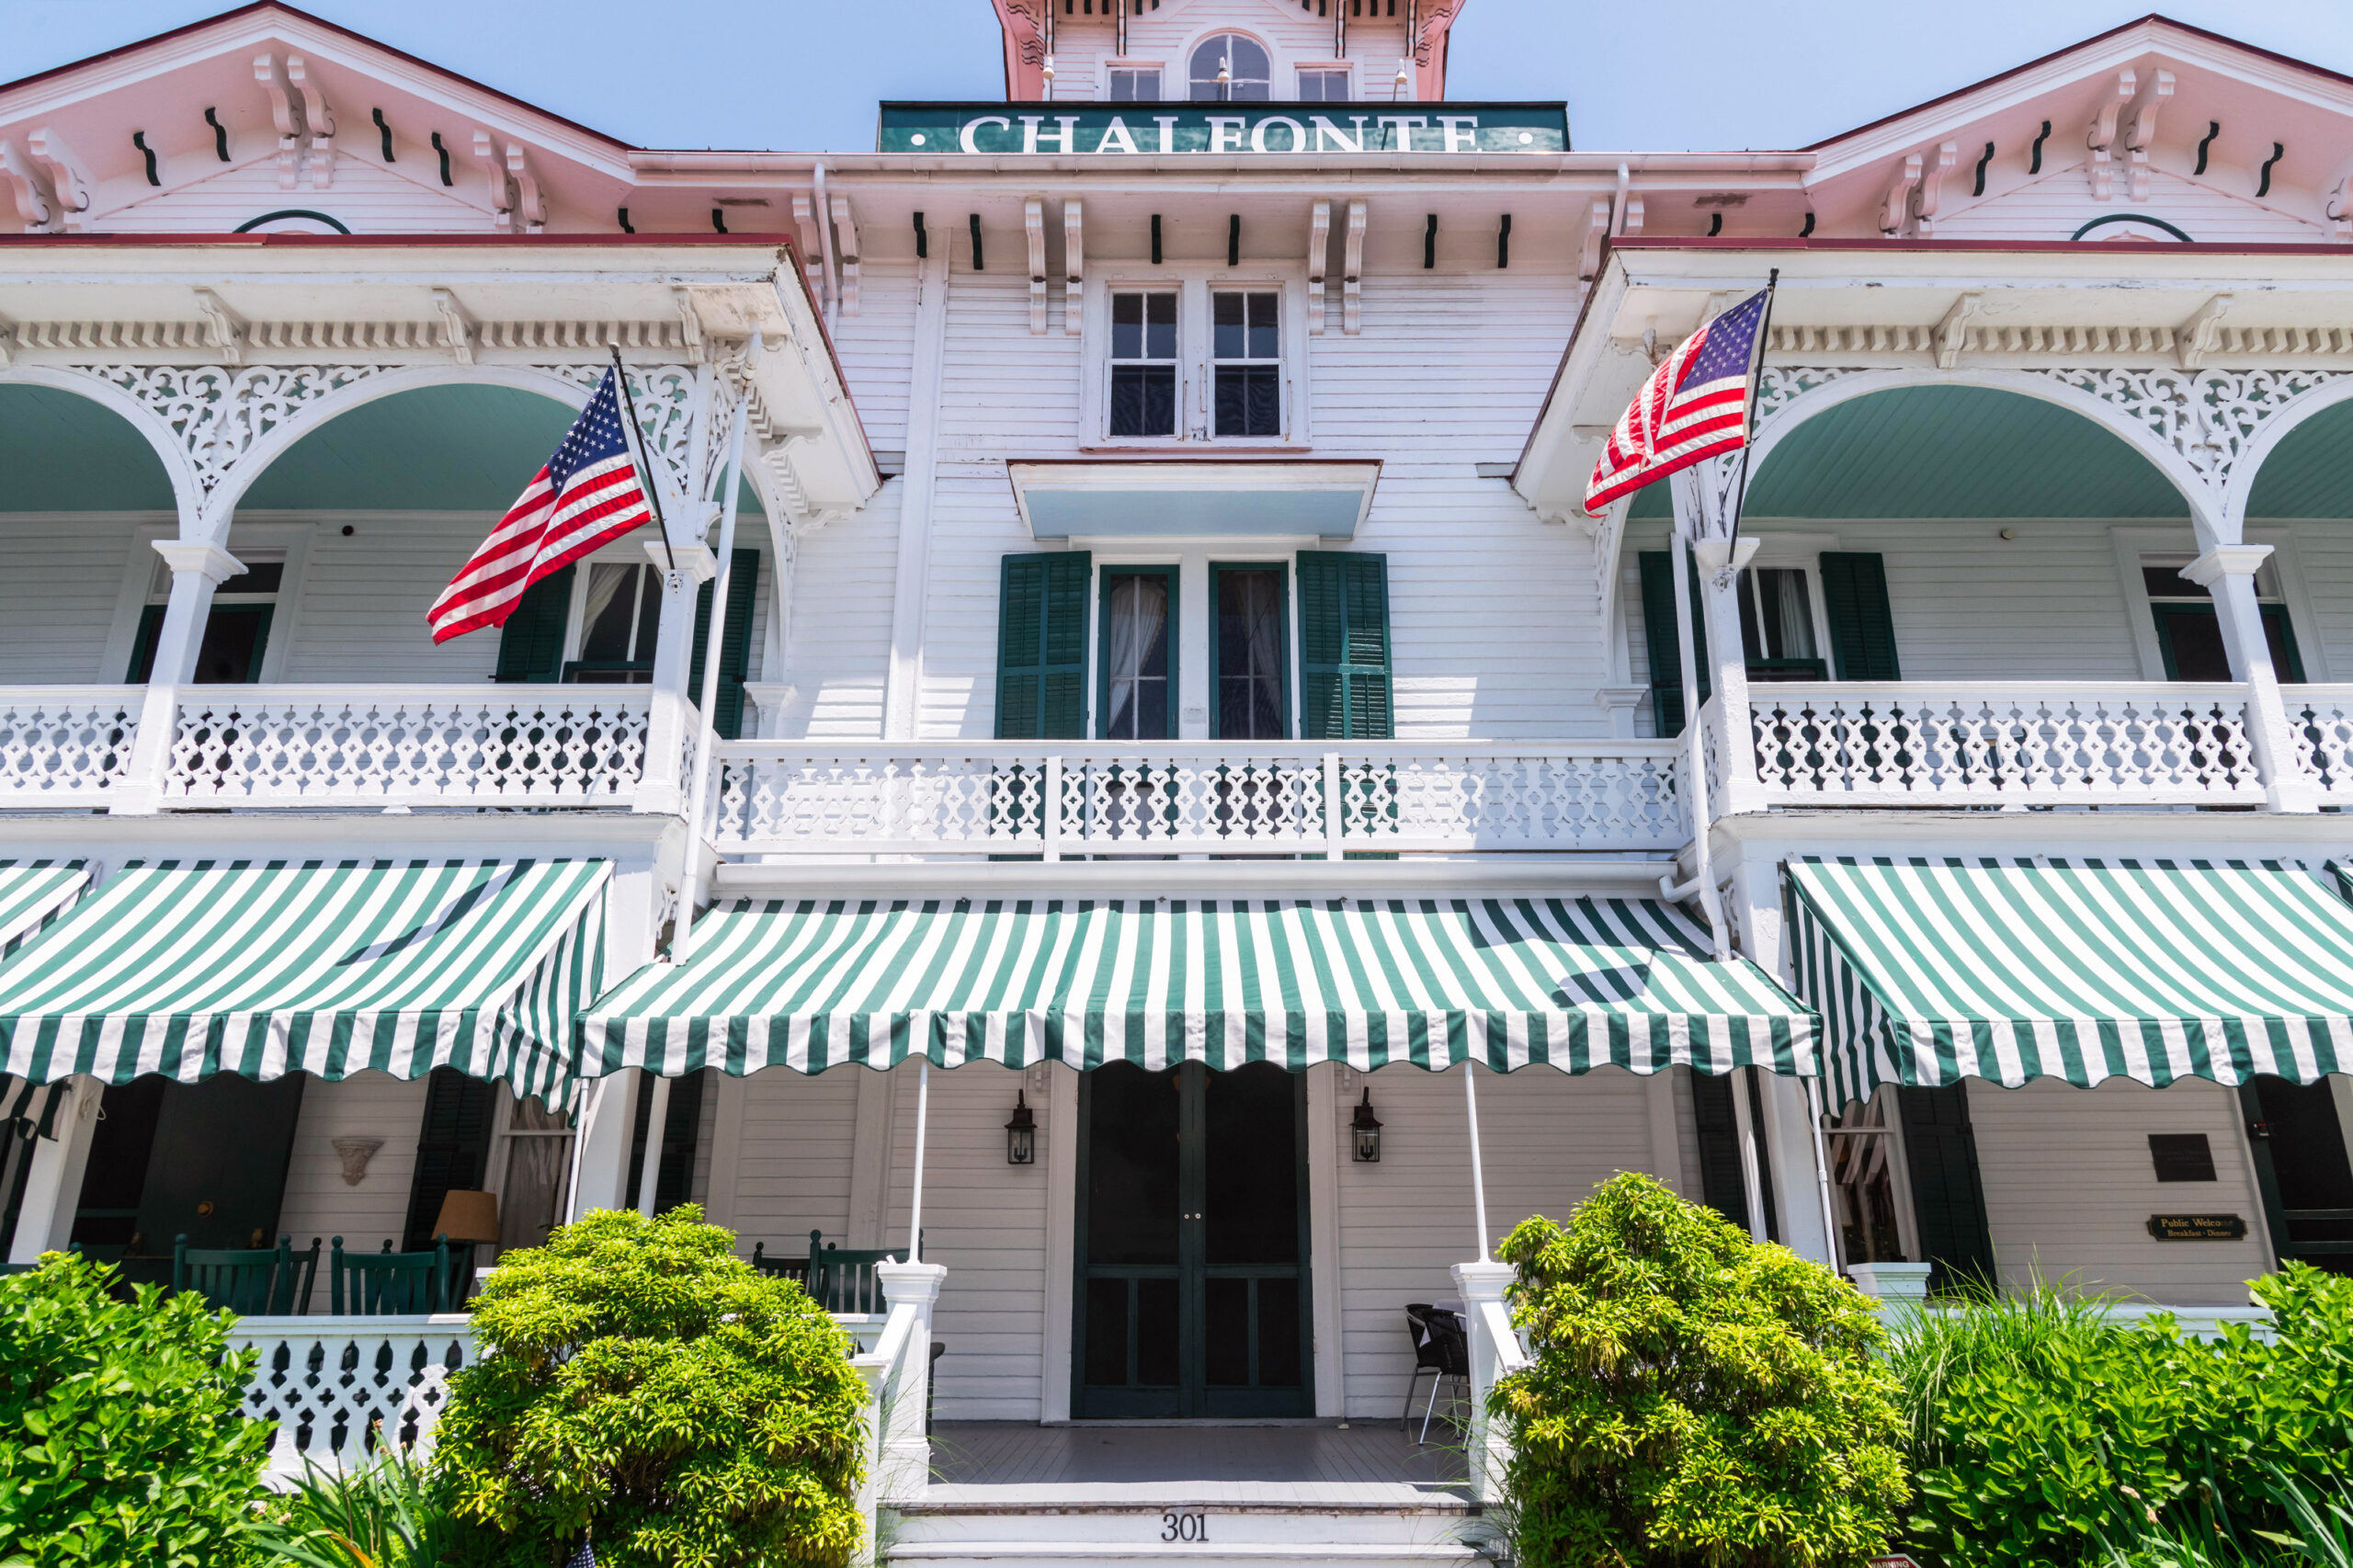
x,y
1950,452
451,448
64,453
2309,473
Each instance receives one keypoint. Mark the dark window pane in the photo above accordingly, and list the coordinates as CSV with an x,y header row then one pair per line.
x,y
1151,710
1249,653
231,651
2195,639
1225,1333
1278,1359
1143,400
1107,1333
604,622
1251,93
2307,1145
1262,328
1226,319
1131,1165
1266,710
1251,1204
2167,583
1156,1332
1249,399
649,612
2284,662
1160,319
259,577
1127,326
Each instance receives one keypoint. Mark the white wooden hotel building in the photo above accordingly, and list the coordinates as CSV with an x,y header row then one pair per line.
x,y
1164,634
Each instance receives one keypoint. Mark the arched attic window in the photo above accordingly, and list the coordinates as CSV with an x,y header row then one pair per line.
x,y
1229,68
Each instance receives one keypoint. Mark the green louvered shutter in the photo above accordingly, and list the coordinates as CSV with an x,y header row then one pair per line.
x,y
530,646
1659,638
1344,647
1723,1186
1862,630
1042,646
736,654
1947,1199
452,1148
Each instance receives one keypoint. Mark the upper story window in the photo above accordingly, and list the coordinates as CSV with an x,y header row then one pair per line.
x,y
1144,363
1246,346
1135,83
1323,86
2190,633
236,632
1777,626
1230,68
619,621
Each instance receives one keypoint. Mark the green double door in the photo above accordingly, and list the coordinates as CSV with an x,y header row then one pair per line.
x,y
1192,1243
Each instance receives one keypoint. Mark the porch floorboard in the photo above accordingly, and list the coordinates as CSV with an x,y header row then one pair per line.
x,y
1369,1464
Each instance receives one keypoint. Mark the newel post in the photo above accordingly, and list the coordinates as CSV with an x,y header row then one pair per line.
x,y
671,719
1482,1285
2227,572
904,1400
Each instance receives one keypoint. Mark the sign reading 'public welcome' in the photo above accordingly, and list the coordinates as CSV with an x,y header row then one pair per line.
x,y
1157,130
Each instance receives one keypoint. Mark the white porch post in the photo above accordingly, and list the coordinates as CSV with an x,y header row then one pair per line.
x,y
197,568
657,1117
600,1147
662,788
1483,1283
54,1184
905,1468
2227,572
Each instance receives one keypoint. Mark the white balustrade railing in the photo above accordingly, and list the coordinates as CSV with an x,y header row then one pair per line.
x,y
1048,799
65,745
343,746
2320,721
1910,743
339,1390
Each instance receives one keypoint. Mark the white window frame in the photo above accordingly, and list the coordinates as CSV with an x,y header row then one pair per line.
x,y
1192,282
2132,544
1347,68
630,549
132,599
1131,62
1278,62
1800,553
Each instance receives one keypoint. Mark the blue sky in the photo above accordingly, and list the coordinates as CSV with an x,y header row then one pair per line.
x,y
807,74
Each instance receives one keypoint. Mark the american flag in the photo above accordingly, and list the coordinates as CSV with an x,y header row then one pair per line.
x,y
584,1558
1694,406
584,495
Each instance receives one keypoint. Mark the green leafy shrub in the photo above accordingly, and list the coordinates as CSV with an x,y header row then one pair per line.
x,y
1695,1398
640,1386
120,1437
2043,1433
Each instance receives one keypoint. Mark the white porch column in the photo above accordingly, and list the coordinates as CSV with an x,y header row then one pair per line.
x,y
2227,572
600,1149
53,1186
1734,788
197,568
906,1466
670,717
1482,1285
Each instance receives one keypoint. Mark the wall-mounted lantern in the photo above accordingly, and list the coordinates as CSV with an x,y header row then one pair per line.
x,y
1021,1133
1366,1128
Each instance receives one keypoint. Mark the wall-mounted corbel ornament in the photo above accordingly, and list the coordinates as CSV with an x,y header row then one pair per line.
x,y
2101,139
2141,134
1318,249
306,125
28,190
1932,187
1033,227
1074,265
1897,204
69,185
354,1153
515,196
845,247
1352,273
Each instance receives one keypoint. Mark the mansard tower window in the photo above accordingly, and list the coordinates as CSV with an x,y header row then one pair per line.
x,y
1136,85
1230,68
1144,364
1323,85
1248,350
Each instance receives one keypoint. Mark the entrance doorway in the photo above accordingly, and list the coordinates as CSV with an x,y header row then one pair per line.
x,y
1192,1296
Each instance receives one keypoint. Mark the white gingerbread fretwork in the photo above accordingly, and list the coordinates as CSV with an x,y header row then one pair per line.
x,y
217,412
2208,416
664,397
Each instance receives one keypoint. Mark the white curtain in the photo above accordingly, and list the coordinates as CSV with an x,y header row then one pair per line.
x,y
1139,610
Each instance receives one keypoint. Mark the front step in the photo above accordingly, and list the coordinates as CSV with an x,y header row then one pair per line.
x,y
1072,1525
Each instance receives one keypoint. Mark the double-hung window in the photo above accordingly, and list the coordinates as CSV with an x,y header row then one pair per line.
x,y
1246,351
1323,85
1777,628
1144,363
1135,83
2189,634
620,623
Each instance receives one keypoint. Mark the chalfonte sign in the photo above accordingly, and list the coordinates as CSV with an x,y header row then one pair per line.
x,y
1156,130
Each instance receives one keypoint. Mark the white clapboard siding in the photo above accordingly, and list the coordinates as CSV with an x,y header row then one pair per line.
x,y
319,1203
2055,206
361,616
2070,1187
985,1221
1546,1141
368,197
792,1161
60,574
876,348
1292,36
2324,567
837,632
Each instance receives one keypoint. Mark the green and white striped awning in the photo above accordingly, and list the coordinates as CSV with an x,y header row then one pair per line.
x,y
1927,973
1575,983
33,894
190,968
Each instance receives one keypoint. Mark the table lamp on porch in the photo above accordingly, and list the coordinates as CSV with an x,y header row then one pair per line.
x,y
466,1219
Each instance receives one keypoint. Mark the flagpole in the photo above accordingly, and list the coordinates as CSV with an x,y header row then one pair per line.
x,y
637,454
707,719
1756,380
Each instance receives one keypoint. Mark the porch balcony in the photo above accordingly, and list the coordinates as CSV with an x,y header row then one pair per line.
x,y
2029,744
128,748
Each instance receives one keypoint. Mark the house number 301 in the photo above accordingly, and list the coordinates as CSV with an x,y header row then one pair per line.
x,y
1185,1526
